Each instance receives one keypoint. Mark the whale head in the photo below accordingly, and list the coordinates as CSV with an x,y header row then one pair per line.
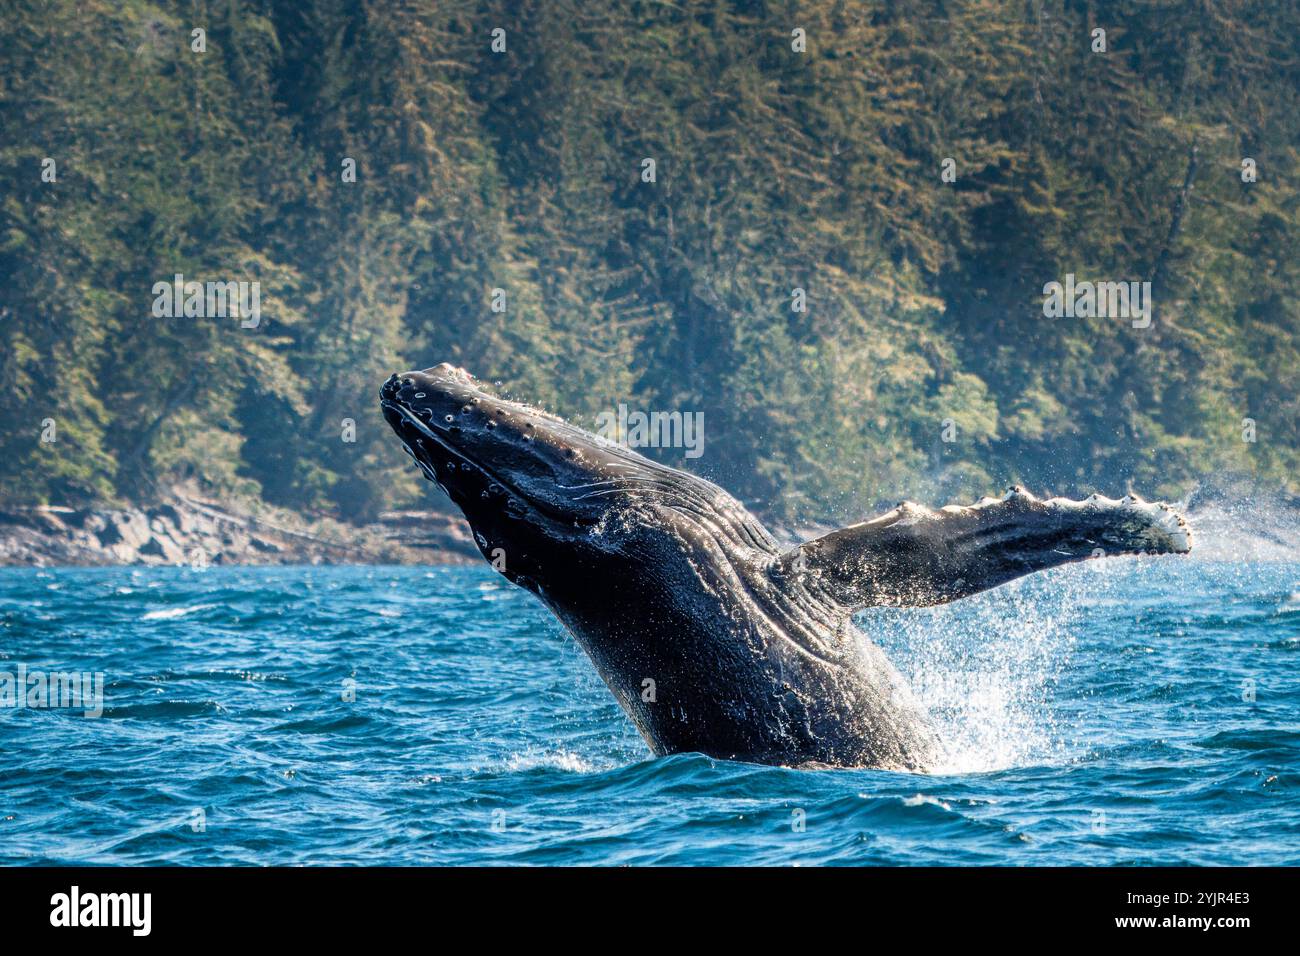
x,y
542,496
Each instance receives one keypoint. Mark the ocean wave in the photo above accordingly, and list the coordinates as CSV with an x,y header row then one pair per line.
x,y
174,613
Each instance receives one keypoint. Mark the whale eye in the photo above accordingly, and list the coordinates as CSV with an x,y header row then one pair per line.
x,y
446,418
419,394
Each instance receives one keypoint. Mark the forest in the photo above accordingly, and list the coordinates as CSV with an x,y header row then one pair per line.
x,y
827,228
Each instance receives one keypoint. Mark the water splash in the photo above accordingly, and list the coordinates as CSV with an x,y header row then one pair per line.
x,y
984,669
1250,525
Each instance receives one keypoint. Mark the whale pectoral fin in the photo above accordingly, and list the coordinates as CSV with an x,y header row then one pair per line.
x,y
917,556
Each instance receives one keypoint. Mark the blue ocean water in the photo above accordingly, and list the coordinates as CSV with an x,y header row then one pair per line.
x,y
1133,711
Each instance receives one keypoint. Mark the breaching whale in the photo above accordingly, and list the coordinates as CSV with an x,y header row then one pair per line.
x,y
712,637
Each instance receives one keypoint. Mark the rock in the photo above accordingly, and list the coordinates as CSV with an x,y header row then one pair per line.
x,y
125,529
182,532
163,548
94,522
49,521
180,520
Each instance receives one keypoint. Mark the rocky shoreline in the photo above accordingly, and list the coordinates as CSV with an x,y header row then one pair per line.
x,y
1232,519
196,532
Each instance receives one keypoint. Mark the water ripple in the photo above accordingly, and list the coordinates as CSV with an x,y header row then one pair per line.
x,y
1141,713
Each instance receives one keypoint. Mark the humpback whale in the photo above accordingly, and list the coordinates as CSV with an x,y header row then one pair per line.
x,y
712,637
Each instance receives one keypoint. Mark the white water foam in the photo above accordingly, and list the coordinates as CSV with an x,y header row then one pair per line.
x,y
171,613
983,669
565,760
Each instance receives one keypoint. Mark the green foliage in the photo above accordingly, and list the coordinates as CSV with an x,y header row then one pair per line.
x,y
776,170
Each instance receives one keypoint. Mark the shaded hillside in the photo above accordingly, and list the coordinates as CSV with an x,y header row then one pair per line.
x,y
775,170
